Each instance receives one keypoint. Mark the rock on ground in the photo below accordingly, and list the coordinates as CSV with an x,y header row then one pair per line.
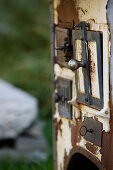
x,y
18,110
31,145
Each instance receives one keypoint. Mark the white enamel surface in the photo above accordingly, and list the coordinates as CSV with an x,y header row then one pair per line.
x,y
95,10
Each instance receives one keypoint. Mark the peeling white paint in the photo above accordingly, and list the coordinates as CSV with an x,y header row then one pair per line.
x,y
82,144
56,3
95,10
87,10
63,143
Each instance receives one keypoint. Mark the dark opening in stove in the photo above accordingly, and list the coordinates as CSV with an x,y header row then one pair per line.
x,y
80,162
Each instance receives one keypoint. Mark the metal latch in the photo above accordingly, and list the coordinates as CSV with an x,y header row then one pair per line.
x,y
66,47
63,95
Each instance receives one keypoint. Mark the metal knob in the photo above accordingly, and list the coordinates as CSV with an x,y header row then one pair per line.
x,y
75,64
56,97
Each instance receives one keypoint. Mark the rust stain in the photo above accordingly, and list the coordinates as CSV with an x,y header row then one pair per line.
x,y
83,11
109,104
92,64
57,127
107,150
91,148
59,124
75,136
67,14
107,141
92,68
95,118
54,142
65,159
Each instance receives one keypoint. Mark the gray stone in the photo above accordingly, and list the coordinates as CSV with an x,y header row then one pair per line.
x,y
18,110
36,130
33,149
24,144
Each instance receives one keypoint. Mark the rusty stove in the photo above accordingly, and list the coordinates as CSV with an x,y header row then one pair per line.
x,y
81,54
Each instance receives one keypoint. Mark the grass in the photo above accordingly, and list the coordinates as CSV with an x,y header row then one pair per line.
x,y
8,164
25,61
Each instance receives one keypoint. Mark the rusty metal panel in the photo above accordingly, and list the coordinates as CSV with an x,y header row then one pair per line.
x,y
63,46
92,131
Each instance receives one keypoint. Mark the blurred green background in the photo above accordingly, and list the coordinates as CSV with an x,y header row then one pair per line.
x,y
25,62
